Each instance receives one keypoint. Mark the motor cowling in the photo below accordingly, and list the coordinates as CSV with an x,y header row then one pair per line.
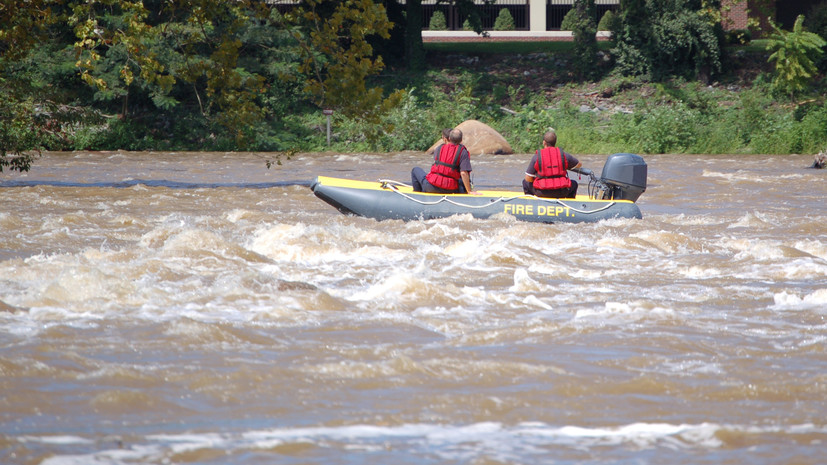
x,y
624,176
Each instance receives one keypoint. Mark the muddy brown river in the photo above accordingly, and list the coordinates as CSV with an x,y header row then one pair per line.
x,y
199,308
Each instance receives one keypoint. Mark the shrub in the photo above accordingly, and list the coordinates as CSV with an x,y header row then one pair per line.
x,y
813,129
569,21
607,22
775,136
504,21
19,134
666,129
438,22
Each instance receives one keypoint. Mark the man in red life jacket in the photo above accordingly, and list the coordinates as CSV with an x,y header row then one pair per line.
x,y
546,175
450,173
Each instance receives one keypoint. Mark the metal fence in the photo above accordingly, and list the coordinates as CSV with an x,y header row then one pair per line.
x,y
488,14
556,10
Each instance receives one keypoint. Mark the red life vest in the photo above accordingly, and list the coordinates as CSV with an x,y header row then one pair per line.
x,y
551,167
445,170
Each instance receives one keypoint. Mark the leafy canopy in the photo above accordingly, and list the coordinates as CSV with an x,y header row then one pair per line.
x,y
663,38
337,57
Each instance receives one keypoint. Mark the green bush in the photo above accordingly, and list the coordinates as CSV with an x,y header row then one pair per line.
x,y
569,20
20,135
504,21
665,129
438,22
607,22
813,130
775,136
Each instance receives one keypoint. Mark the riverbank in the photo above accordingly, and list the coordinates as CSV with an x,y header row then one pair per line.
x,y
518,88
526,90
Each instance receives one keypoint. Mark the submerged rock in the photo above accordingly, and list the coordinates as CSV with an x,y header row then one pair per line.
x,y
820,160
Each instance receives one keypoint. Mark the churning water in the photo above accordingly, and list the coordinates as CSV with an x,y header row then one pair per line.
x,y
199,308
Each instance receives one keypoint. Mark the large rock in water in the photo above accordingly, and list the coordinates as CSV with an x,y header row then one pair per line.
x,y
480,139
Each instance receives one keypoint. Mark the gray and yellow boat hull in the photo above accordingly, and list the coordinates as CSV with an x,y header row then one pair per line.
x,y
387,200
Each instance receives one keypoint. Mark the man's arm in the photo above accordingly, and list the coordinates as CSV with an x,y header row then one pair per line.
x,y
466,180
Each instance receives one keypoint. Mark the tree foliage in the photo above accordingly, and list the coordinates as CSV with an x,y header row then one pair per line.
x,y
23,124
19,138
607,22
337,57
794,53
584,31
504,21
568,20
22,25
816,19
190,55
437,22
663,38
206,73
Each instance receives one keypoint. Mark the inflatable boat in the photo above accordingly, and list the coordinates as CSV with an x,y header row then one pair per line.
x,y
613,195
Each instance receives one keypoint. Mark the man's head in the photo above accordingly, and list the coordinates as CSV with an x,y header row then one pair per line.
x,y
456,136
446,134
550,138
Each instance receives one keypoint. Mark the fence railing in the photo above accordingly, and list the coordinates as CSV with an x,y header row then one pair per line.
x,y
556,11
520,10
488,14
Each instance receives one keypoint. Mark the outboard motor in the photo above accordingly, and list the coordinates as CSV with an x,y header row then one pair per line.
x,y
624,177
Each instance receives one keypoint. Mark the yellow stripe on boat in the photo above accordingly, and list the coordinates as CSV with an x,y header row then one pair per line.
x,y
380,186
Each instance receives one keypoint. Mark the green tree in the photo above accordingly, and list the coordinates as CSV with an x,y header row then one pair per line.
x,y
22,26
794,54
19,135
337,58
569,20
193,43
663,38
437,22
414,48
607,22
585,40
504,21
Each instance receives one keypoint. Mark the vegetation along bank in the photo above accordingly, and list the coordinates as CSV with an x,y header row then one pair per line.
x,y
227,76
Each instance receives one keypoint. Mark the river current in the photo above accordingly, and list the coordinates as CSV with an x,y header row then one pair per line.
x,y
199,308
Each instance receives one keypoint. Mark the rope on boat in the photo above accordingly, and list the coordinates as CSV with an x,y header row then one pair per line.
x,y
392,185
